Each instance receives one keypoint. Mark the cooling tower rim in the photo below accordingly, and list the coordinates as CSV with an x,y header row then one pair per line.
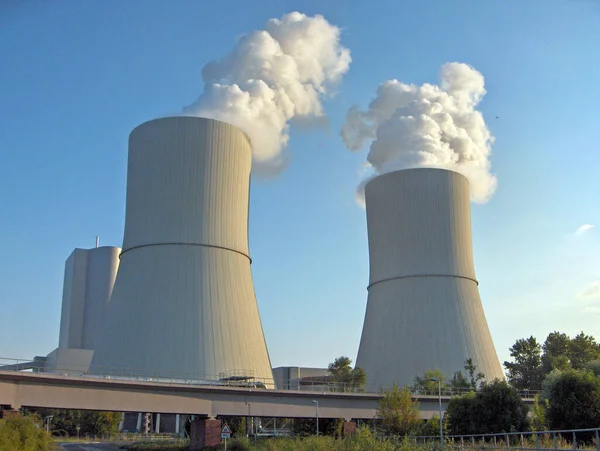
x,y
192,117
398,172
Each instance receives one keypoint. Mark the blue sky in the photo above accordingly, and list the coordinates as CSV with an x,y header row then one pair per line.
x,y
76,77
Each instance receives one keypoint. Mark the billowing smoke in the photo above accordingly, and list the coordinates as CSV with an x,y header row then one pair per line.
x,y
411,126
270,77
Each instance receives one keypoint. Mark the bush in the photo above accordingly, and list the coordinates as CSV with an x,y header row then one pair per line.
x,y
574,400
23,433
496,407
240,444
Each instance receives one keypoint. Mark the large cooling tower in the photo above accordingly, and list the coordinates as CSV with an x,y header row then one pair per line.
x,y
183,304
423,309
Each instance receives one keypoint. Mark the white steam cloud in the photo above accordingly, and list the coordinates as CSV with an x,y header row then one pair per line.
x,y
411,126
270,77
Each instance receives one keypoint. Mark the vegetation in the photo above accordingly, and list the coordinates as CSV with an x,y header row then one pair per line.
x,y
533,362
538,414
65,422
345,377
23,433
426,384
573,400
398,413
156,446
363,440
474,378
495,407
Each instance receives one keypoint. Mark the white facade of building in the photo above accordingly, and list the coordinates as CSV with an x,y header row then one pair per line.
x,y
183,303
423,309
89,279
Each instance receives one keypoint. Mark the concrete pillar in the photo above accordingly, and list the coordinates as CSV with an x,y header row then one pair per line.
x,y
205,432
138,426
122,422
349,428
157,430
177,419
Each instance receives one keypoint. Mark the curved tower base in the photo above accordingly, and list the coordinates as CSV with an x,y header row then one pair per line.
x,y
416,324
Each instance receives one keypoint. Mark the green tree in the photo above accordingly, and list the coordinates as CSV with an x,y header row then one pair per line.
x,y
460,413
346,378
594,367
574,400
431,428
65,422
583,349
460,381
499,408
23,433
475,377
496,407
556,352
538,414
424,383
526,372
398,412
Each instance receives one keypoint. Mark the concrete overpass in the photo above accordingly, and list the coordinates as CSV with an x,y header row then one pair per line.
x,y
20,389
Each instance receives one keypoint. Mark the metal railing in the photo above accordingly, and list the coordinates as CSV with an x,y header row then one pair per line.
x,y
237,378
570,439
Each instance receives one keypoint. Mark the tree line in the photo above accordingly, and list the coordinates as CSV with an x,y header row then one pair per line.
x,y
563,371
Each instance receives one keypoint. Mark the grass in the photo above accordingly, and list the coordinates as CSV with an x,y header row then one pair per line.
x,y
364,440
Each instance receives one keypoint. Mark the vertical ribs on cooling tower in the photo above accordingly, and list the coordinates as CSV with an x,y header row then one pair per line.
x,y
423,308
183,304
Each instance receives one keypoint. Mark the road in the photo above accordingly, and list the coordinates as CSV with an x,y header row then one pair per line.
x,y
88,447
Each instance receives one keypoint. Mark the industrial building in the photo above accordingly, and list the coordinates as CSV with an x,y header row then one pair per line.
x,y
87,288
423,309
302,378
183,303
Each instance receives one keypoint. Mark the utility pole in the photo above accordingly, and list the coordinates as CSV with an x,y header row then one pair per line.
x,y
317,412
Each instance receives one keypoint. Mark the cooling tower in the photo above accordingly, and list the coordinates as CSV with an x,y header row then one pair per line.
x,y
423,309
183,304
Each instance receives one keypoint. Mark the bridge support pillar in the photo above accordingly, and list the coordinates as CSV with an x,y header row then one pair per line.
x,y
349,428
205,432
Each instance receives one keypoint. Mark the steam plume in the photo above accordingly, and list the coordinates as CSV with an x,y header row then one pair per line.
x,y
271,77
411,126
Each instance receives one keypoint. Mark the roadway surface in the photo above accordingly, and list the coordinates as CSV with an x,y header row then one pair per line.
x,y
87,446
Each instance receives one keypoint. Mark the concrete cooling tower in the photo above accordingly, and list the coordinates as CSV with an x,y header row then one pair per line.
x,y
183,304
423,309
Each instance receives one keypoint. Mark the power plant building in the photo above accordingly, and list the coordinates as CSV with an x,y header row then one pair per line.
x,y
183,304
88,282
423,309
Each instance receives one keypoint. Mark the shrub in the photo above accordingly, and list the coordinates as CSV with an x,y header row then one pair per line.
x,y
23,433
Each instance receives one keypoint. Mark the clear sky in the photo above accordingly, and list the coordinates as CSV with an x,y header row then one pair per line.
x,y
76,77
